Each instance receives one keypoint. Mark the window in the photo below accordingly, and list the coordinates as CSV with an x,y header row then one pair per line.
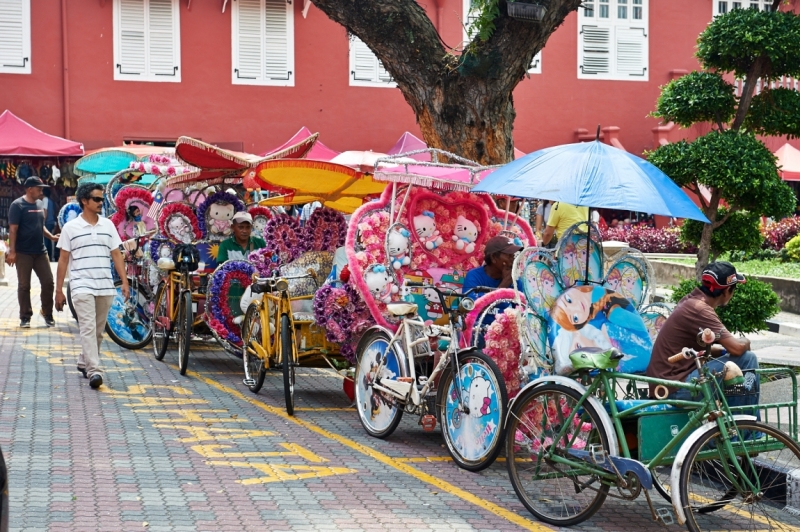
x,y
613,40
147,43
263,42
366,70
470,15
15,37
720,7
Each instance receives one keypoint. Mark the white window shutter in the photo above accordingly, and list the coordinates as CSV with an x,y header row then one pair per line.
x,y
15,36
594,50
536,64
276,48
132,56
365,64
161,38
250,34
631,51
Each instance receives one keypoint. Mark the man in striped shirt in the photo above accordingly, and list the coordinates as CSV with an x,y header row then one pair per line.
x,y
86,244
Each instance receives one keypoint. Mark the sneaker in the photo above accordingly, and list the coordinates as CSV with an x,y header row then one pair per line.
x,y
49,320
96,381
83,372
25,323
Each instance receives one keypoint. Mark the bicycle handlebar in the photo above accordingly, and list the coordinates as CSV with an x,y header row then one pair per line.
x,y
441,292
686,353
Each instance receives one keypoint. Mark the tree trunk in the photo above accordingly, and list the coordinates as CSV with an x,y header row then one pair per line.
x,y
463,102
754,73
704,249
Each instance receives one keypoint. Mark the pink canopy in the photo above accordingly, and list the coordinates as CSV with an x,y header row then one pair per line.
x,y
318,151
789,161
408,142
17,137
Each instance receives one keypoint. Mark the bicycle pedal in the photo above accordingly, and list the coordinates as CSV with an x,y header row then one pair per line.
x,y
249,382
404,379
428,422
665,515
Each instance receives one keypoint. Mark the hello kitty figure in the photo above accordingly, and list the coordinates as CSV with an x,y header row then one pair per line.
x,y
466,233
380,283
180,228
425,226
433,308
480,401
398,246
220,216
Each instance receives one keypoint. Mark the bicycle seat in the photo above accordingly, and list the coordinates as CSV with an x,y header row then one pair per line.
x,y
401,308
165,263
595,358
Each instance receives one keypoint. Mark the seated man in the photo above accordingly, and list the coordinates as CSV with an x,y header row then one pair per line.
x,y
240,244
695,312
498,256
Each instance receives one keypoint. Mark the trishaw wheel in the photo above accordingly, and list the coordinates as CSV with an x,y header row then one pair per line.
x,y
162,325
484,396
661,481
379,413
185,317
553,492
255,369
715,497
287,361
129,328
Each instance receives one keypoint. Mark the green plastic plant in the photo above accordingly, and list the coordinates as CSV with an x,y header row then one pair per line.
x,y
752,304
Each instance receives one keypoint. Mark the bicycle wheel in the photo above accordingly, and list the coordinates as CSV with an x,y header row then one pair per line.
x,y
287,362
69,302
162,322
255,370
554,493
185,316
713,498
473,439
661,481
379,413
129,326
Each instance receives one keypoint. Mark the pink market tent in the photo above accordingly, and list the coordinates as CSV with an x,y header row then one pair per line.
x,y
19,138
408,142
789,161
318,151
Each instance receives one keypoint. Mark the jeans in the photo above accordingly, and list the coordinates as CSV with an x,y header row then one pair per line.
x,y
41,265
52,250
747,362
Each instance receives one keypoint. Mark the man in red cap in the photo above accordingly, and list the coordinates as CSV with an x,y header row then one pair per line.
x,y
694,313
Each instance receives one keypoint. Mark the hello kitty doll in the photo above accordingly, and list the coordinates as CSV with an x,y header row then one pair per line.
x,y
380,283
425,226
466,233
220,216
433,308
398,246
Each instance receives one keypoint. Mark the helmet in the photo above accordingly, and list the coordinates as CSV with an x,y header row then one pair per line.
x,y
186,257
595,358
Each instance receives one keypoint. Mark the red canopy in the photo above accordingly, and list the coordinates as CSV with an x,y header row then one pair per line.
x,y
789,161
17,137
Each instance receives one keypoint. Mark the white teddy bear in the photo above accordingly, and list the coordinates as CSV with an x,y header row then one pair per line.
x,y
425,226
466,234
380,283
221,215
397,244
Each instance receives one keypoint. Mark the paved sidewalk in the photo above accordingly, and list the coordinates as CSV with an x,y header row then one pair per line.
x,y
152,450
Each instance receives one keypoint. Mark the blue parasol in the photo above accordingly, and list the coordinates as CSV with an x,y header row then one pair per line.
x,y
595,175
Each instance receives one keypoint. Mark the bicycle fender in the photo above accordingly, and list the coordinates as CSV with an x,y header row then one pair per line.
x,y
605,419
674,478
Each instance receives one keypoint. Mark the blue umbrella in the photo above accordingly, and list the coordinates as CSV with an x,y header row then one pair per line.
x,y
595,175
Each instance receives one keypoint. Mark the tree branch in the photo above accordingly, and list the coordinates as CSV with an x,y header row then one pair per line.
x,y
724,219
754,73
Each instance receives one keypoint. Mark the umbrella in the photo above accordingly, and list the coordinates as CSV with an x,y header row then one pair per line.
x,y
594,175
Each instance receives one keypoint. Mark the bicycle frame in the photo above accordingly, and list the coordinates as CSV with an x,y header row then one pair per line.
x,y
282,305
177,283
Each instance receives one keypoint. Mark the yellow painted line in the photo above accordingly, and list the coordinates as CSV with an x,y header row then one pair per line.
x,y
423,459
741,513
384,459
349,408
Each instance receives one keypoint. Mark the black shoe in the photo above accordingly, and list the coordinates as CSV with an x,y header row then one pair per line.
x,y
83,372
96,381
49,321
25,323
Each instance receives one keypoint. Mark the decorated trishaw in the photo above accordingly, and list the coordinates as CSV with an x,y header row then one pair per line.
x,y
582,425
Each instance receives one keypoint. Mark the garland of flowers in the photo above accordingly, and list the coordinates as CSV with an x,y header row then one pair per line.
x,y
178,208
221,316
65,210
343,315
128,194
216,197
260,211
155,245
502,346
284,244
325,230
482,303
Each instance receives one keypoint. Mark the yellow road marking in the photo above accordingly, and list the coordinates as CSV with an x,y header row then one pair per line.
x,y
292,449
748,516
380,457
323,409
213,433
192,416
278,472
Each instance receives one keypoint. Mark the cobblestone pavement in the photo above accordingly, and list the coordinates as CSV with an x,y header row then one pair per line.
x,y
152,450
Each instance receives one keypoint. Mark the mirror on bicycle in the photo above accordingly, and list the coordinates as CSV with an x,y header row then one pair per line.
x,y
467,303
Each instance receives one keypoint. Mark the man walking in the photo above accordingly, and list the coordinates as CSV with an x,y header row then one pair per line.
x,y
86,244
26,250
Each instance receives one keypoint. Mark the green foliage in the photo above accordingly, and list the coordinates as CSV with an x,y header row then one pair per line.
x,y
696,97
674,160
485,12
741,231
752,304
775,112
793,249
734,41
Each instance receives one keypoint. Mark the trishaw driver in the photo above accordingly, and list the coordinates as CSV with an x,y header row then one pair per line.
x,y
695,312
240,244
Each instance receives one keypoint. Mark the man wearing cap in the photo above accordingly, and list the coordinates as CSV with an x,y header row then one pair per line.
x,y
498,256
239,245
694,313
26,250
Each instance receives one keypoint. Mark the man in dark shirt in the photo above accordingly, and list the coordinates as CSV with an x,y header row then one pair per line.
x,y
26,250
694,313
